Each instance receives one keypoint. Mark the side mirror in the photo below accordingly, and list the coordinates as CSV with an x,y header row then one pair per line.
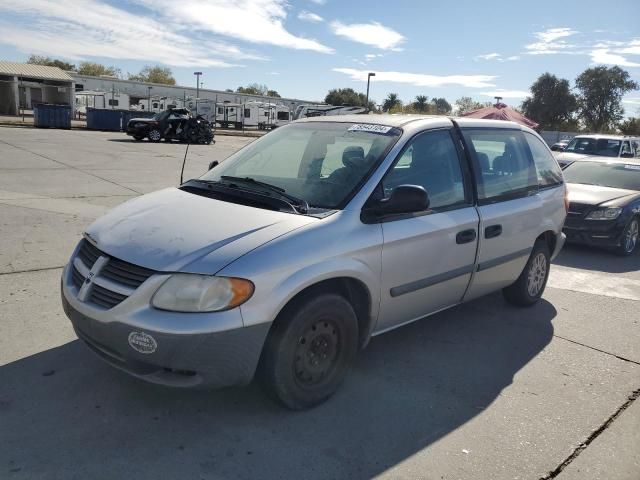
x,y
626,155
213,164
403,199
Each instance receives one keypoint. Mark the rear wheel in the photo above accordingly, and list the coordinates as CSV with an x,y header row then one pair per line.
x,y
629,241
154,135
309,351
530,285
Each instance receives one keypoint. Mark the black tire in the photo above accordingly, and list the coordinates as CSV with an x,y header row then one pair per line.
x,y
309,351
630,238
138,137
530,285
154,135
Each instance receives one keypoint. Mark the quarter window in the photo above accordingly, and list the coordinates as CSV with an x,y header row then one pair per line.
x,y
547,169
431,161
504,170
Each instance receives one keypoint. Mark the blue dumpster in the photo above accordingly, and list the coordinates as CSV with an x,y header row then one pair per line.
x,y
47,115
112,119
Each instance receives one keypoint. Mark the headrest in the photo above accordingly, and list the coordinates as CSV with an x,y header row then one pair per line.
x,y
353,157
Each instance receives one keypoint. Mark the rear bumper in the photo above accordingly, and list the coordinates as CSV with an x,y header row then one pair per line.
x,y
208,360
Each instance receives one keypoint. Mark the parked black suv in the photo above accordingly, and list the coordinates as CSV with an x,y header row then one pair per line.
x,y
175,124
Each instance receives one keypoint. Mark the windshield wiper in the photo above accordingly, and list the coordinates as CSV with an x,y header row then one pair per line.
x,y
300,204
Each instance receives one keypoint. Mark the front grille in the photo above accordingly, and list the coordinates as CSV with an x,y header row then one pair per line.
x,y
578,209
116,274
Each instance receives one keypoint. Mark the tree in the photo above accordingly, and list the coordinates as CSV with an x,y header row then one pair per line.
x,y
392,101
468,104
50,62
441,106
630,126
155,74
96,70
253,89
551,104
346,96
600,98
422,103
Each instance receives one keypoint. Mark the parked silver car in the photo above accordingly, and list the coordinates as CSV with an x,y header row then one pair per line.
x,y
290,255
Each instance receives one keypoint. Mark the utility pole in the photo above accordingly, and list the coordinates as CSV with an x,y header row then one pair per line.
x,y
197,74
369,75
149,98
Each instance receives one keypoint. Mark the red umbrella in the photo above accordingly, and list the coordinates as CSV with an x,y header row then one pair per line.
x,y
500,111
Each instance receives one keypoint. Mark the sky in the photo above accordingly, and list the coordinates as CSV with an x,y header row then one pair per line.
x,y
303,48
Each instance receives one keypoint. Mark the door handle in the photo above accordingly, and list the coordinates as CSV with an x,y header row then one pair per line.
x,y
466,236
492,231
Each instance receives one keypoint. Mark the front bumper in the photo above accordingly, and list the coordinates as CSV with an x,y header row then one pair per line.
x,y
184,356
597,233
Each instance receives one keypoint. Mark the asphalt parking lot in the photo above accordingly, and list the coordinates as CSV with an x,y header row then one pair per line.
x,y
482,391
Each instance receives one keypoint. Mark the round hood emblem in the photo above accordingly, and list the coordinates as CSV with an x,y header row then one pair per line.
x,y
142,342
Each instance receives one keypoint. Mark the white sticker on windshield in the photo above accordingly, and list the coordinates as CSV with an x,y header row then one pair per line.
x,y
368,127
632,167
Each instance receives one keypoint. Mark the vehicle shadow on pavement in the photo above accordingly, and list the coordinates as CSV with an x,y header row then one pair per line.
x,y
65,414
595,259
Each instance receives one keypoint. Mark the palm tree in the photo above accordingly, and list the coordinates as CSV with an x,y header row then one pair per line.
x,y
391,101
421,103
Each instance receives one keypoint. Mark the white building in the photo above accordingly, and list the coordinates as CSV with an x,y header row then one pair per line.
x,y
23,85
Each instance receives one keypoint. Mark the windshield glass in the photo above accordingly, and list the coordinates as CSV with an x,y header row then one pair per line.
x,y
602,147
321,163
617,175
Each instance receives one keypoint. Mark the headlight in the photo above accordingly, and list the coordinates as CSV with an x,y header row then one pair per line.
x,y
184,292
605,214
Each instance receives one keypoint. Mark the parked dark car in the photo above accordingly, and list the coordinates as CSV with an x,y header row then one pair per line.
x,y
604,204
175,124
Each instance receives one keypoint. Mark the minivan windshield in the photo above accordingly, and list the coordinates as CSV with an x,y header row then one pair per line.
x,y
320,163
602,147
606,174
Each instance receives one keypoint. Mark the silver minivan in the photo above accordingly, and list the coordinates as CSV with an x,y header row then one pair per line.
x,y
285,259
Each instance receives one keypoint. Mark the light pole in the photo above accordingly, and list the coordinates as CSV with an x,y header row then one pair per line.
x,y
369,75
197,74
149,98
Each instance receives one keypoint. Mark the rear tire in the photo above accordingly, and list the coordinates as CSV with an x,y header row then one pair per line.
x,y
530,285
629,241
309,351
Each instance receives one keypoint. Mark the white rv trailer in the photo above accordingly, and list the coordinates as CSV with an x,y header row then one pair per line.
x,y
262,115
321,110
100,100
159,104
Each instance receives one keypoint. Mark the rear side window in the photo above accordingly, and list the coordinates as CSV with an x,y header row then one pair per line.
x,y
504,170
547,169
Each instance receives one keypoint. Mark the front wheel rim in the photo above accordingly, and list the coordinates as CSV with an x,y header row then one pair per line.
x,y
154,135
537,274
317,352
631,238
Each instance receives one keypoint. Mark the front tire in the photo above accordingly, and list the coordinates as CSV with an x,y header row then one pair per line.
x,y
309,351
154,135
629,239
530,285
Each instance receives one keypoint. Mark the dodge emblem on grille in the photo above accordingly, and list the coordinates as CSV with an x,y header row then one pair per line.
x,y
142,342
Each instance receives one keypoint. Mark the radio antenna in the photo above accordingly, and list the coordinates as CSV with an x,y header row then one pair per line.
x,y
183,163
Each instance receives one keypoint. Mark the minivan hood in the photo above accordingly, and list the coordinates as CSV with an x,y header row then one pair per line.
x,y
172,230
595,194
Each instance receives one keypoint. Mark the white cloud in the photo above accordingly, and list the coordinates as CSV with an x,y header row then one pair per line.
x,y
101,30
512,58
255,21
319,2
507,93
549,41
420,79
310,17
605,57
488,56
633,47
374,34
